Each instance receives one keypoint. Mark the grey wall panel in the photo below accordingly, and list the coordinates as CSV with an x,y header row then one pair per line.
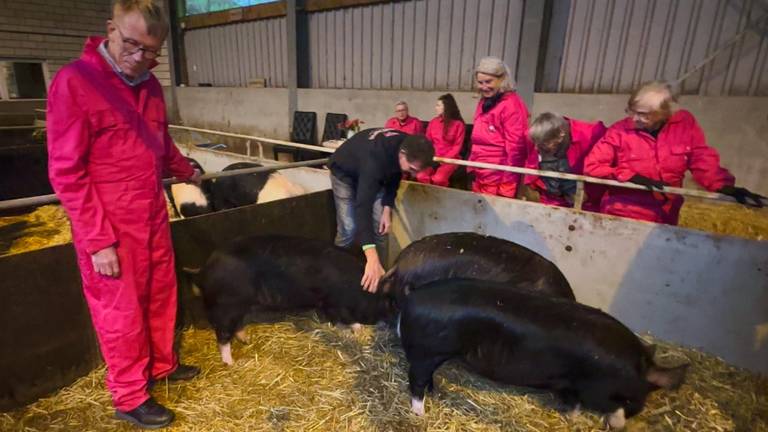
x,y
234,54
416,44
612,46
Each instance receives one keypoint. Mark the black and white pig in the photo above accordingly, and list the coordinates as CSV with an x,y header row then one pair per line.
x,y
189,199
513,335
473,256
282,273
246,189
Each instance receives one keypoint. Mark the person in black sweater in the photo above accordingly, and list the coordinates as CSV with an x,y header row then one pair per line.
x,y
365,173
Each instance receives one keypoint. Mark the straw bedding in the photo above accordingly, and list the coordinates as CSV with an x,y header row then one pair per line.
x,y
302,374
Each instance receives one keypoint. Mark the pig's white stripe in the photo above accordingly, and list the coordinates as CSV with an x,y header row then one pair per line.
x,y
188,193
398,326
279,187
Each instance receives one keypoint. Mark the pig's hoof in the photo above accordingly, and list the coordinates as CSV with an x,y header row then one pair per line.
x,y
417,406
226,354
574,413
242,337
617,420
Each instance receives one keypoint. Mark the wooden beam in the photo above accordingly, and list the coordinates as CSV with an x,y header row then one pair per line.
x,y
264,11
320,5
250,13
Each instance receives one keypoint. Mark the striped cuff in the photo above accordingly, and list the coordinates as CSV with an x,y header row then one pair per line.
x,y
368,246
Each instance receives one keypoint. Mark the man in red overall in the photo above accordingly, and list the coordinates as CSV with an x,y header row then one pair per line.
x,y
109,148
403,121
654,146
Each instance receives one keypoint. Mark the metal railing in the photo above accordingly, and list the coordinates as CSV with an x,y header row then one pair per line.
x,y
258,140
580,179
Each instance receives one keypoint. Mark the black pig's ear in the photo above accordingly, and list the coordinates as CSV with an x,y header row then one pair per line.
x,y
667,378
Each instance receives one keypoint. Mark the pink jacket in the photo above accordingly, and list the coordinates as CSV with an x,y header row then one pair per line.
x,y
584,135
498,137
411,125
447,146
625,151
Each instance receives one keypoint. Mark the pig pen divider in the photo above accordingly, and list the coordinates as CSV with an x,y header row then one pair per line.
x,y
51,199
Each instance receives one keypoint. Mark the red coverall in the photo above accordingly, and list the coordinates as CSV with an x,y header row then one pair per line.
x,y
584,135
680,146
499,137
411,125
447,146
108,147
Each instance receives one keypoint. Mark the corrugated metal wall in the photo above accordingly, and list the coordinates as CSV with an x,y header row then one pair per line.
x,y
234,54
611,46
420,44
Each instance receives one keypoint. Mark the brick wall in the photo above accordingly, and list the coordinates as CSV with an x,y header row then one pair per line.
x,y
55,30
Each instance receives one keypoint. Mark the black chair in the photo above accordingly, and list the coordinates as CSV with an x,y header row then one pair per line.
x,y
331,129
303,132
424,125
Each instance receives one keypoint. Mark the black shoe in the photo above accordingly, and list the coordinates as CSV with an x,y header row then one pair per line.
x,y
149,415
184,373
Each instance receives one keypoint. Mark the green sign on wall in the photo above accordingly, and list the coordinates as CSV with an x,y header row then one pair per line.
x,y
193,7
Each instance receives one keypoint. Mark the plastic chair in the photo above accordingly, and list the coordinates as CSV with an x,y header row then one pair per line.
x,y
331,129
303,132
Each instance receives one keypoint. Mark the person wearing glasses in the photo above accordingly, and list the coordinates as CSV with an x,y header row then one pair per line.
x,y
500,126
365,174
109,148
654,146
403,121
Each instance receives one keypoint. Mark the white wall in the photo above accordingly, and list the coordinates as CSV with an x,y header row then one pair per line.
x,y
262,112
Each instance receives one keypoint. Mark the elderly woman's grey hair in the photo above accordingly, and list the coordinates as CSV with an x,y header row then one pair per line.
x,y
547,127
495,67
658,94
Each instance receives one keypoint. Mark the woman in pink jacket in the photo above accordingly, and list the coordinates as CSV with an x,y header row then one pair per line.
x,y
446,131
498,135
654,146
561,144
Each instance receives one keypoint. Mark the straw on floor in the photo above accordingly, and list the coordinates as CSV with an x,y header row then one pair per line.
x,y
302,374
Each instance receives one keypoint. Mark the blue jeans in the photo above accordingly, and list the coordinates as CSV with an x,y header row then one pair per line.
x,y
344,197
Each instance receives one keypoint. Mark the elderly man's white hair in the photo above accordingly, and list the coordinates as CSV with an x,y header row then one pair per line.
x,y
495,67
656,95
403,103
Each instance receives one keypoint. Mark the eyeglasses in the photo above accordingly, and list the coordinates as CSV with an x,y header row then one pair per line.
x,y
132,46
639,114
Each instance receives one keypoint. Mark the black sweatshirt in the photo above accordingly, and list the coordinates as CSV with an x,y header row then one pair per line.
x,y
368,162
